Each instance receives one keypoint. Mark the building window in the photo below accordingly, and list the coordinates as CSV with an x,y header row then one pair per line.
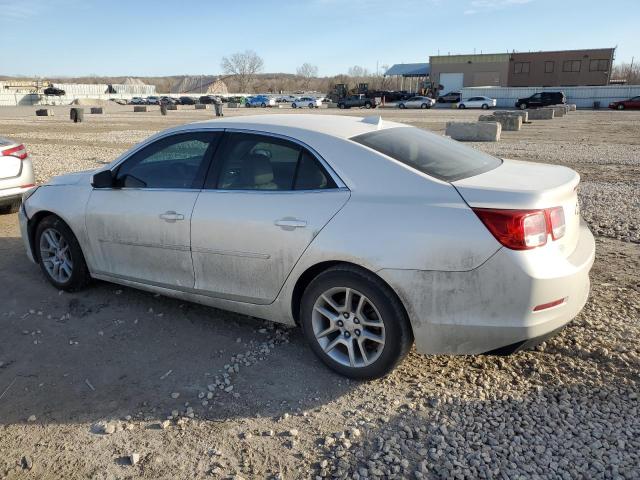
x,y
571,66
521,67
549,66
599,65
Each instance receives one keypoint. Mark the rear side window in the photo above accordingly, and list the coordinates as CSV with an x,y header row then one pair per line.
x,y
434,155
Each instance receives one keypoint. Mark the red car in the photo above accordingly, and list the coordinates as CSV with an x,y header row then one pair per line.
x,y
624,104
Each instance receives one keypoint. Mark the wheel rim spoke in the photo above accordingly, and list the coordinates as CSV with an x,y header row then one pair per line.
x,y
55,254
348,327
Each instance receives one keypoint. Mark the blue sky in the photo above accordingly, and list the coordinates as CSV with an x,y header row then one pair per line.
x,y
144,37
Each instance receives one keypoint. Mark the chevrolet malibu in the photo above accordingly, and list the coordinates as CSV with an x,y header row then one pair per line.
x,y
370,235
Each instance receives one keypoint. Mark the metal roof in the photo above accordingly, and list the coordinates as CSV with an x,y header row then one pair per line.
x,y
409,70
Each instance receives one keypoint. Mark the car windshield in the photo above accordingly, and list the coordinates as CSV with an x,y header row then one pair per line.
x,y
429,153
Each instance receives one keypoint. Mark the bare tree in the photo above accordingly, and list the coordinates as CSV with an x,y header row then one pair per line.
x,y
626,71
358,72
244,66
307,72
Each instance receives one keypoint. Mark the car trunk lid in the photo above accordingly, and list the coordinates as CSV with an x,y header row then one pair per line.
x,y
518,185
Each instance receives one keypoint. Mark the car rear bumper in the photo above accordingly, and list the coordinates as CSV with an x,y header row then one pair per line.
x,y
9,196
491,309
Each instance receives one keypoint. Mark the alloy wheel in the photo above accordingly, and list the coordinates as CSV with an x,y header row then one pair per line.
x,y
55,255
348,327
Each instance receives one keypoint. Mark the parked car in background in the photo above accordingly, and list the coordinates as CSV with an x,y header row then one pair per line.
x,y
541,99
478,102
187,100
16,174
451,97
153,100
285,99
207,99
137,101
417,102
631,104
291,217
54,91
168,101
309,102
119,101
260,101
359,101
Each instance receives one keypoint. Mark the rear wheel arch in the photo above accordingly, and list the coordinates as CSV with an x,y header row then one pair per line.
x,y
312,272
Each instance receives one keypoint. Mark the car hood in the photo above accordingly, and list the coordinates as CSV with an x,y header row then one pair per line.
x,y
72,178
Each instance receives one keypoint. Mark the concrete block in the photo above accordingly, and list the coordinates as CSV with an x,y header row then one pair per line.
x,y
76,114
44,112
474,131
509,123
332,105
200,106
522,113
572,107
172,107
559,110
541,114
96,110
140,108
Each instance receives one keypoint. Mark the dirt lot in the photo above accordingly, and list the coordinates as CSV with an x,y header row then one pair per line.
x,y
91,378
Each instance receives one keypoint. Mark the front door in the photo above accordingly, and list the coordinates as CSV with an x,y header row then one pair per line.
x,y
140,229
265,201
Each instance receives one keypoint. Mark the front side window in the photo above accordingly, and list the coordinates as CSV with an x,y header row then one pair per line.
x,y
177,161
536,96
260,162
429,153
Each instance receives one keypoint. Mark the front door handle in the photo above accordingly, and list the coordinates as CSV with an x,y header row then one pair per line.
x,y
171,216
291,223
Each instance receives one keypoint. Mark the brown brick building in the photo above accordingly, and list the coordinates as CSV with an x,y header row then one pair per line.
x,y
563,68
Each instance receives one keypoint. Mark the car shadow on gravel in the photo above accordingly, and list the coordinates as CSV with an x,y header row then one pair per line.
x,y
110,351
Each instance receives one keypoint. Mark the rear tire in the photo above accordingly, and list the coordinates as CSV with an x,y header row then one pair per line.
x,y
341,106
293,105
379,339
367,105
60,256
402,106
11,208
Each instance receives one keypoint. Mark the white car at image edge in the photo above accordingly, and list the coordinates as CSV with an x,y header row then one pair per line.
x,y
370,235
478,102
16,174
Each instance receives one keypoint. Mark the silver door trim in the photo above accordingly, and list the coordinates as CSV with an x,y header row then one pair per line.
x,y
182,248
232,253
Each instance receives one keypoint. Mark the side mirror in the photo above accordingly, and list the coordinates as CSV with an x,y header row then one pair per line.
x,y
103,179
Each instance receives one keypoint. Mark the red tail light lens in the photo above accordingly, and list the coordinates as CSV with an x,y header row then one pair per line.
x,y
515,229
556,222
20,152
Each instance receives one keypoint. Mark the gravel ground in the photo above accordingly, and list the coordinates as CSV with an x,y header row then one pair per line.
x,y
116,383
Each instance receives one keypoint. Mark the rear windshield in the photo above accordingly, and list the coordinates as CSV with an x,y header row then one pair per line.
x,y
432,154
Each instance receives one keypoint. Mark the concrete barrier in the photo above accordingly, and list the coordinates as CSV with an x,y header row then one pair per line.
x,y
172,107
96,110
521,113
44,112
509,123
200,106
559,110
541,114
573,107
233,105
76,114
332,105
140,108
474,131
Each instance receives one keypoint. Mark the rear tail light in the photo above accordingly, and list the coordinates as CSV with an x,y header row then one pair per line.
x,y
556,222
523,229
20,152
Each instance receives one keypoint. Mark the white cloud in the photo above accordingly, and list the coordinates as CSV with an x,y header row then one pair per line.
x,y
476,6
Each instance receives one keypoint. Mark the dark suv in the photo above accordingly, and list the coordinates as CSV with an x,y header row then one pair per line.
x,y
541,99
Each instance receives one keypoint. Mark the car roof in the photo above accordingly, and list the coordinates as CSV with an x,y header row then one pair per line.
x,y
287,124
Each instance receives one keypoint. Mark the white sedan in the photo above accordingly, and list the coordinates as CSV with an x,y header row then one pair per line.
x,y
310,102
366,233
478,102
417,102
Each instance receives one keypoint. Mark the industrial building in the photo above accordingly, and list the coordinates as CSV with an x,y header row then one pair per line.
x,y
563,68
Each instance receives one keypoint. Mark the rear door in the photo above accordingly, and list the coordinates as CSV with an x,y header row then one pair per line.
x,y
139,230
265,200
633,103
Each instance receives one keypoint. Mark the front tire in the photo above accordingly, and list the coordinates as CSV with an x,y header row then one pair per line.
x,y
485,106
621,107
355,323
402,106
367,105
523,106
293,105
461,106
341,106
60,256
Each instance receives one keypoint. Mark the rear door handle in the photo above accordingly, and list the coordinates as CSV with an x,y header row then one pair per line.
x,y
291,223
171,216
